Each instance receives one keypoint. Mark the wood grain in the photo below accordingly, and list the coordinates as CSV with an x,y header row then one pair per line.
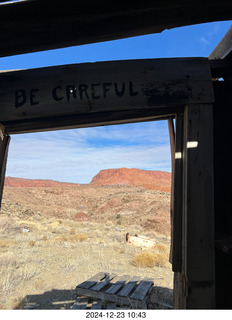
x,y
82,90
30,26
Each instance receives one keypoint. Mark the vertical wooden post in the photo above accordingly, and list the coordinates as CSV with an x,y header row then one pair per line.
x,y
4,145
172,147
177,213
198,265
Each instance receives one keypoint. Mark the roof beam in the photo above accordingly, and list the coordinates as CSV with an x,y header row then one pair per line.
x,y
37,25
224,48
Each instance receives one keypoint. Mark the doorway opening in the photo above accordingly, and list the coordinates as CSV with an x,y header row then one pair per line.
x,y
103,182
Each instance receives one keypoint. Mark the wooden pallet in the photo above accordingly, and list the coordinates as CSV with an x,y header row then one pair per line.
x,y
109,291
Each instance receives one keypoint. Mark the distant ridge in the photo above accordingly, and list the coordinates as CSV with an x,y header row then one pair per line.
x,y
29,183
154,180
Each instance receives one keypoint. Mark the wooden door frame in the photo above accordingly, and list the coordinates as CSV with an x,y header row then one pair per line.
x,y
175,87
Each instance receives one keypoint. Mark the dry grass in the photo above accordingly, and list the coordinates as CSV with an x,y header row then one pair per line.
x,y
8,243
161,248
31,243
43,260
149,260
13,272
8,226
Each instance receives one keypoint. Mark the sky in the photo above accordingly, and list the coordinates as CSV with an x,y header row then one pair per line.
x,y
77,155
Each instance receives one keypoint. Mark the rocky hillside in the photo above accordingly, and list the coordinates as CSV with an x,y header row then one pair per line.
x,y
117,196
153,180
29,183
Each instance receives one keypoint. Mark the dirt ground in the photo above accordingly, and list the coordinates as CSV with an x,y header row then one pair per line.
x,y
43,258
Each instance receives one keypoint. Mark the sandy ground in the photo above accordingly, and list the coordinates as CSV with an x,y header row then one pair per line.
x,y
43,258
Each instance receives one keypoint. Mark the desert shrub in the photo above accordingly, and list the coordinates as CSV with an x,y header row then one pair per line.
x,y
31,243
63,237
72,231
28,272
7,243
3,243
8,273
72,238
149,260
161,248
8,226
8,260
78,237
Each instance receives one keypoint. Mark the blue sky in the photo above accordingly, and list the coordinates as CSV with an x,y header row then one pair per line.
x,y
77,155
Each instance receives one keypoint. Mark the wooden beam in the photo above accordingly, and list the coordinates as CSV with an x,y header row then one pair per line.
x,y
224,48
198,270
88,120
171,130
4,145
36,25
86,90
178,196
177,218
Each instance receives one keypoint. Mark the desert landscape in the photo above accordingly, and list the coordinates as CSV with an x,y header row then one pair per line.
x,y
56,235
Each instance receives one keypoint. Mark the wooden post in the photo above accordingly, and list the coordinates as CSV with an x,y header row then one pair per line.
x,y
178,196
176,222
172,147
4,145
198,265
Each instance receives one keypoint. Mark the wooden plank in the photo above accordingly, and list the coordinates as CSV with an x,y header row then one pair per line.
x,y
198,215
85,89
117,286
123,297
88,120
96,305
4,146
111,306
129,287
92,281
80,304
30,26
103,283
178,197
142,289
171,130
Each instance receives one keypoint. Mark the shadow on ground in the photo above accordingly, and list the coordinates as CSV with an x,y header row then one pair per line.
x,y
50,300
159,298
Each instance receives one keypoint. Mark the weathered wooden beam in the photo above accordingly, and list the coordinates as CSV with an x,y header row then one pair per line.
x,y
224,48
88,120
198,270
80,91
177,230
36,25
4,145
171,130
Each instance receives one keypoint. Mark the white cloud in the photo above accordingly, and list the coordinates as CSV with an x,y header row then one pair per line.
x,y
78,155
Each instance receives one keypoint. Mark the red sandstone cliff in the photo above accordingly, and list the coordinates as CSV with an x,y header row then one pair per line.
x,y
154,180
